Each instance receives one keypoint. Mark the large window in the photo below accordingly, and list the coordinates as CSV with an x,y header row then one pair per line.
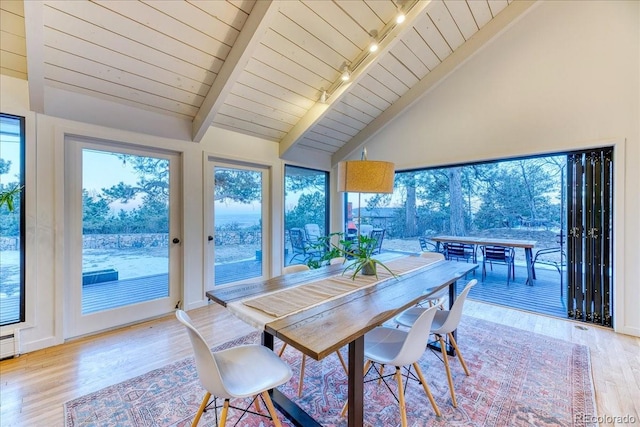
x,y
521,198
12,155
306,207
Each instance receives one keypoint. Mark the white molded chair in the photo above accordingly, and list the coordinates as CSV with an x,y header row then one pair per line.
x,y
444,323
238,372
400,348
294,269
439,297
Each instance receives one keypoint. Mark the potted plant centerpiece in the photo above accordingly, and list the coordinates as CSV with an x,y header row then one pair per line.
x,y
358,254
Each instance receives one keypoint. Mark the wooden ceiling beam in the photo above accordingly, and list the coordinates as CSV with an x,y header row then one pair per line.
x,y
319,110
34,34
497,25
248,40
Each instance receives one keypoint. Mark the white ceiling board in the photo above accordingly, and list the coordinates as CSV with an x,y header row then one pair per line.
x,y
441,17
462,16
429,32
258,68
301,57
65,62
370,97
467,50
409,59
106,56
336,125
263,110
248,127
246,44
192,16
398,69
250,116
481,12
374,86
418,46
282,79
277,104
386,78
341,22
275,90
304,15
497,6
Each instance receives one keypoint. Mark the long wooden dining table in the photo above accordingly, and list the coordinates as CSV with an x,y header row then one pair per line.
x,y
331,317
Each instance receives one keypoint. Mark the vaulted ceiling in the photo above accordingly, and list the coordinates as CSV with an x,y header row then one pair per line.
x,y
271,69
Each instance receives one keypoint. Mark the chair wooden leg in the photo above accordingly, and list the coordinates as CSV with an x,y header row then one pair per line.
x,y
426,388
403,409
301,380
284,345
223,414
346,403
271,408
203,405
455,346
344,365
446,365
381,374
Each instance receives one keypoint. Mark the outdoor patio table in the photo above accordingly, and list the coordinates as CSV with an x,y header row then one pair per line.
x,y
326,326
527,245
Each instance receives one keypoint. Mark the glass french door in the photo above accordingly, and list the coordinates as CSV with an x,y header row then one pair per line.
x,y
123,255
237,247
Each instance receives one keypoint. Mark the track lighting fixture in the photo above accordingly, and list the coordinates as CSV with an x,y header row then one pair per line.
x,y
346,75
373,46
323,96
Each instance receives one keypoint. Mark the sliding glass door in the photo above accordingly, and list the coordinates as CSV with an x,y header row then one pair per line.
x,y
123,261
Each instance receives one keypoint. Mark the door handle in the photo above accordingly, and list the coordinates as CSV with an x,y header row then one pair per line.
x,y
209,238
176,240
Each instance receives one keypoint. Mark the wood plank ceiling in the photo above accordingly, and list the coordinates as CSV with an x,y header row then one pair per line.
x,y
259,68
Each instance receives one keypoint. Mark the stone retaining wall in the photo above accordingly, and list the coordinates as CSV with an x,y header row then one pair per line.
x,y
146,240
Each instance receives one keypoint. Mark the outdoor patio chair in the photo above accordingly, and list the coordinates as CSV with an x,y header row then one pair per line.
x,y
301,247
366,229
501,255
237,372
457,251
377,235
312,232
551,256
427,245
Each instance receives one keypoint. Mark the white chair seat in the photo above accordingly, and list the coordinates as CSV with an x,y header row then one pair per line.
x,y
399,348
383,345
238,372
248,370
444,323
408,317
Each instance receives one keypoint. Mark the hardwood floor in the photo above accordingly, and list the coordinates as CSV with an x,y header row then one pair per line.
x,y
35,386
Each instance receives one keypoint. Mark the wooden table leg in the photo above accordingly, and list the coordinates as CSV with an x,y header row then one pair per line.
x,y
528,254
356,386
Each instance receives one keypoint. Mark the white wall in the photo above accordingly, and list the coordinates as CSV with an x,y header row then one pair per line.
x,y
566,76
46,210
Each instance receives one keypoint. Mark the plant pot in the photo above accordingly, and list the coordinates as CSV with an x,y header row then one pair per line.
x,y
369,269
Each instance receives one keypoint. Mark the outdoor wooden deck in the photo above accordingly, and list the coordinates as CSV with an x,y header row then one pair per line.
x,y
543,297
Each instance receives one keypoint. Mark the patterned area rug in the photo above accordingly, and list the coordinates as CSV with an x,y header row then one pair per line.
x,y
517,379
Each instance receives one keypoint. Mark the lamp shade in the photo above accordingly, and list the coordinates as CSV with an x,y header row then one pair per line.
x,y
365,176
